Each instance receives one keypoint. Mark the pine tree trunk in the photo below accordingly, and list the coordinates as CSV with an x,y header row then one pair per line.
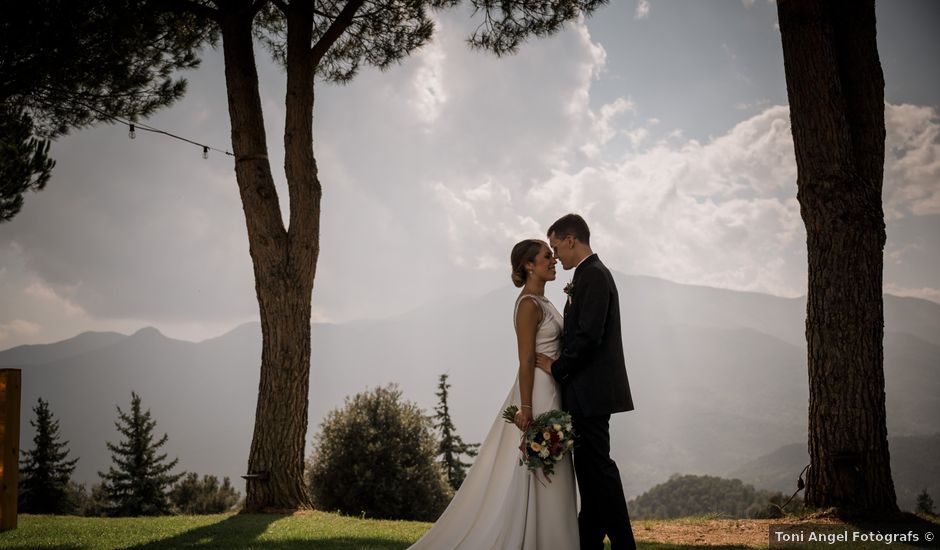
x,y
836,92
284,267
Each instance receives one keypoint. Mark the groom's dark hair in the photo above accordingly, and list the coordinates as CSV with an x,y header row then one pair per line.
x,y
571,224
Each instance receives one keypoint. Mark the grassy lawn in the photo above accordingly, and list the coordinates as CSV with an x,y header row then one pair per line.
x,y
319,530
307,530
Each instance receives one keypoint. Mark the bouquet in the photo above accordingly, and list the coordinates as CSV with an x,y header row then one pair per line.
x,y
546,440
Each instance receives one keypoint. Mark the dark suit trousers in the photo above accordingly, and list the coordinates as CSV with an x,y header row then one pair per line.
x,y
603,506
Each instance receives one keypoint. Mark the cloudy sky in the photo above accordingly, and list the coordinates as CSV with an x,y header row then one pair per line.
x,y
664,123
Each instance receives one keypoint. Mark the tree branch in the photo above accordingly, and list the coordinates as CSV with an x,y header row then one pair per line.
x,y
259,4
337,27
368,14
191,7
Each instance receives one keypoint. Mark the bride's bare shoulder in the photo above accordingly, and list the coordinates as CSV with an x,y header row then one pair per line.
x,y
528,311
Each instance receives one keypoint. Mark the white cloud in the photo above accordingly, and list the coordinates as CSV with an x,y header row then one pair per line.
x,y
912,161
47,294
589,68
720,213
601,129
724,213
897,255
480,221
431,171
17,328
752,105
924,293
637,136
429,93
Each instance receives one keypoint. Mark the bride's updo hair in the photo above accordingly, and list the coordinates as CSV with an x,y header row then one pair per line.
x,y
524,251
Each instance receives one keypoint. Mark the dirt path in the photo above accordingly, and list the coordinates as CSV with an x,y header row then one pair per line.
x,y
711,532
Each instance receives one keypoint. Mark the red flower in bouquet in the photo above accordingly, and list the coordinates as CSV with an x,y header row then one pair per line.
x,y
546,441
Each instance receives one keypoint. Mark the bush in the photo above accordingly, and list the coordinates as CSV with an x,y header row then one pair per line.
x,y
376,457
93,503
192,496
690,495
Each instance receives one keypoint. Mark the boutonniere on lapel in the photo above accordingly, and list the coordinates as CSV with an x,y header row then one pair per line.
x,y
569,290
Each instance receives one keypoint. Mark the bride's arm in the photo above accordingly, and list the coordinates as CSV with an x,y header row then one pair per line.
x,y
527,321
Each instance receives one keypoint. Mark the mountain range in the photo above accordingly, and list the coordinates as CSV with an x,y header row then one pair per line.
x,y
719,380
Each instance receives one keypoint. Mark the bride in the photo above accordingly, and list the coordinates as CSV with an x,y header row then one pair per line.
x,y
502,505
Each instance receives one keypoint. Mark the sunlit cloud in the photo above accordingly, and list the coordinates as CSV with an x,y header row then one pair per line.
x,y
431,171
17,328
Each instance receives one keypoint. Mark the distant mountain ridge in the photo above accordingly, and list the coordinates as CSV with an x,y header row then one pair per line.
x,y
38,354
914,467
718,376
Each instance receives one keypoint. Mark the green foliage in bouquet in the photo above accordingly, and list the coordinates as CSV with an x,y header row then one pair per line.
x,y
546,441
376,458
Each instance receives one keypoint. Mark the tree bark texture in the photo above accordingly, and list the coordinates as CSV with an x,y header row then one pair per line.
x,y
284,263
835,87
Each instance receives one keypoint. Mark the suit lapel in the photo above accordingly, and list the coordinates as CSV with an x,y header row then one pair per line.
x,y
577,271
574,280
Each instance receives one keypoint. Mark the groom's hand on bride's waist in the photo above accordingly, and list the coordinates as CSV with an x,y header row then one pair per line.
x,y
544,362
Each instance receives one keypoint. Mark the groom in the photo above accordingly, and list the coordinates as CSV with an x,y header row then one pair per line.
x,y
593,378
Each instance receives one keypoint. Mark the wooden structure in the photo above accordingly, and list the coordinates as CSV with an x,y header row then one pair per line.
x,y
10,385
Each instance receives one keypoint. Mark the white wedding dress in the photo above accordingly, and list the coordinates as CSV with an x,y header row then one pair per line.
x,y
501,505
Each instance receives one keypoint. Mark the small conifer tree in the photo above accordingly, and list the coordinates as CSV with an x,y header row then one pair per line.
x,y
925,503
45,470
136,484
451,448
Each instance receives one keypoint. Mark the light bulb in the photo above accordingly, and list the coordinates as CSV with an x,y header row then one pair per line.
x,y
205,152
130,131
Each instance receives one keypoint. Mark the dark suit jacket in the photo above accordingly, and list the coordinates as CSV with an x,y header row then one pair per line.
x,y
591,369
